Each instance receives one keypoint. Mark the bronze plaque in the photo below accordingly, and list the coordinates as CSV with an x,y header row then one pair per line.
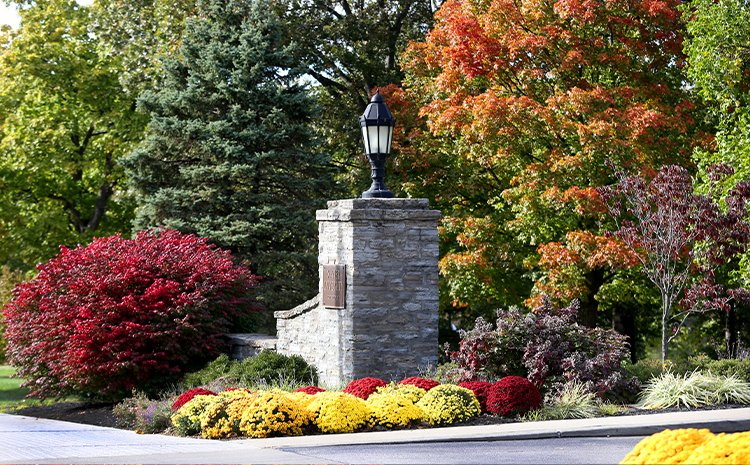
x,y
334,286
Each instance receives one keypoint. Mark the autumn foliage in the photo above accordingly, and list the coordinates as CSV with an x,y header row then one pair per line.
x,y
118,314
533,97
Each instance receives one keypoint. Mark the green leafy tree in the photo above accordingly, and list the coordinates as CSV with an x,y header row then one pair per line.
x,y
351,48
64,124
718,53
229,150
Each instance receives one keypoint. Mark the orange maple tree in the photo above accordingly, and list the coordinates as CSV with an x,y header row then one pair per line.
x,y
533,97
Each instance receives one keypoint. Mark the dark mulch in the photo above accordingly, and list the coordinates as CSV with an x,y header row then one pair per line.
x,y
101,414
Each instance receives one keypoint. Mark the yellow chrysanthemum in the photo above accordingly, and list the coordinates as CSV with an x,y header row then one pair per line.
x,y
669,446
391,410
302,398
446,404
273,414
411,392
222,420
338,412
187,420
724,448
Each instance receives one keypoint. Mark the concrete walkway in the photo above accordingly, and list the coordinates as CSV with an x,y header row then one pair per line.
x,y
26,439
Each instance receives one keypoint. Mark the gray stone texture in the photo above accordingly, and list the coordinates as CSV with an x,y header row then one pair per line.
x,y
389,328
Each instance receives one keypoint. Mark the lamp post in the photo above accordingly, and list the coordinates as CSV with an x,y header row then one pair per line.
x,y
377,134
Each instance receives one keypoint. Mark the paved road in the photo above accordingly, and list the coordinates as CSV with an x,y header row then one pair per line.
x,y
529,451
596,440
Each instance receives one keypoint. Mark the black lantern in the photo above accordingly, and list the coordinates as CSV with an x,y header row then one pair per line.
x,y
377,134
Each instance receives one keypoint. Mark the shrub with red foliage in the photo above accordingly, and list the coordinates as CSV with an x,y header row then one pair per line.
x,y
312,390
187,396
118,314
362,388
480,390
423,383
513,395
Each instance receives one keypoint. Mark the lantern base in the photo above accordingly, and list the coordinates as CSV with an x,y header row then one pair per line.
x,y
378,194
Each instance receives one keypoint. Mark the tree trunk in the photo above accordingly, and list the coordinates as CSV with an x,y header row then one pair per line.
x,y
589,306
730,333
623,321
666,310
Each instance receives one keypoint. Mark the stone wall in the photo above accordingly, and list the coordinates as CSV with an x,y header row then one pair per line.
x,y
389,327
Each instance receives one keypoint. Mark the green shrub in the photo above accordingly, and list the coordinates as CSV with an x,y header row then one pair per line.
x,y
644,370
728,367
268,367
142,414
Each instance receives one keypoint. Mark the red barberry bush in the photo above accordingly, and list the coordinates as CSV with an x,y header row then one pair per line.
x,y
312,390
513,395
187,396
362,388
423,383
480,390
118,314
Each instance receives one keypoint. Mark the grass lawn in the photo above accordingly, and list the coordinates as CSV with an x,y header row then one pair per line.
x,y
12,395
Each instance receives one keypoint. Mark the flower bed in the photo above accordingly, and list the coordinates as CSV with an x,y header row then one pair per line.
x,y
691,446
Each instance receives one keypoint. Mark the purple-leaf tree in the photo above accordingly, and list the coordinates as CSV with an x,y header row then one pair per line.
x,y
678,233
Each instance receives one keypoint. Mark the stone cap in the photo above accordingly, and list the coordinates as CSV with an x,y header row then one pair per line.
x,y
378,210
299,309
256,340
380,204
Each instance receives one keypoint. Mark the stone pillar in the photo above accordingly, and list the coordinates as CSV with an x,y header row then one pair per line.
x,y
389,326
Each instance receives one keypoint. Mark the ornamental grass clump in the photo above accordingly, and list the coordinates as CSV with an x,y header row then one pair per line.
x,y
423,383
693,390
513,395
724,448
447,404
391,410
363,387
669,446
338,412
480,390
409,391
187,420
572,401
273,414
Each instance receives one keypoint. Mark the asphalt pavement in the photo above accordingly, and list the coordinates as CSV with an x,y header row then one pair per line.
x,y
595,440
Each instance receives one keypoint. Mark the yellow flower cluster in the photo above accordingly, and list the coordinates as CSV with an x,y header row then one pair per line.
x,y
222,420
410,391
669,446
391,410
338,412
446,404
724,448
691,446
187,420
272,413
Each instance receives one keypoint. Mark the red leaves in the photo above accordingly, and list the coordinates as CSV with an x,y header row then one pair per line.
x,y
513,395
118,313
363,387
423,383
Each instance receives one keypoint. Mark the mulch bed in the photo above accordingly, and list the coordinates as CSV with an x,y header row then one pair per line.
x,y
100,414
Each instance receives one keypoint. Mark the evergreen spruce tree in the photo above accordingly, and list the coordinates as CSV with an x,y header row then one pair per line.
x,y
228,150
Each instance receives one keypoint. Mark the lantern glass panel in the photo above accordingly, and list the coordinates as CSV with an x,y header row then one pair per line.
x,y
366,139
373,139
